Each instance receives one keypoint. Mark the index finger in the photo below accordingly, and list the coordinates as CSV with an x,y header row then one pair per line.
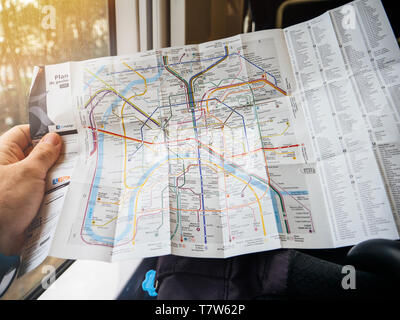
x,y
19,135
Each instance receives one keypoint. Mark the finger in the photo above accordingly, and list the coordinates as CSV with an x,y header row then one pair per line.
x,y
45,154
28,151
13,143
19,135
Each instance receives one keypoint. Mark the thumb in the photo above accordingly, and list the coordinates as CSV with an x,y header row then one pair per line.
x,y
45,154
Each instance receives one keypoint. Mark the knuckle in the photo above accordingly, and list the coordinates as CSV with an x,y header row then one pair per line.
x,y
28,169
44,154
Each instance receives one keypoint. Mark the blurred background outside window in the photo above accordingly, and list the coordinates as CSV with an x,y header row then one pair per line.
x,y
43,32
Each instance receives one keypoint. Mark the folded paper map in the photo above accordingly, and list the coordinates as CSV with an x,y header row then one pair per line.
x,y
285,138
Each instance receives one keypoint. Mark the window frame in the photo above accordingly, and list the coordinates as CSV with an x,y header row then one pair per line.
x,y
37,291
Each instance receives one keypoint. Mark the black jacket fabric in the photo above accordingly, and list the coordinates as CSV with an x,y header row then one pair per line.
x,y
273,275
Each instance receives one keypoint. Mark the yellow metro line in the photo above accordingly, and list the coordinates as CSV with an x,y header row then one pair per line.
x,y
211,163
